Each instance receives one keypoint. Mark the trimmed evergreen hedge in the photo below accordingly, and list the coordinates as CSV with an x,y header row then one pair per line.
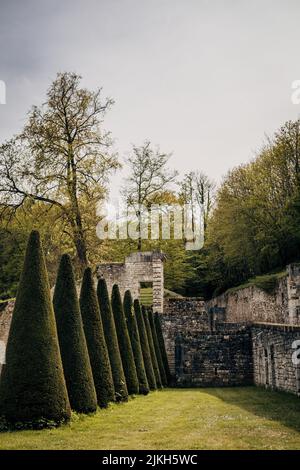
x,y
33,392
145,345
152,348
95,339
135,343
162,346
157,350
124,342
112,341
73,348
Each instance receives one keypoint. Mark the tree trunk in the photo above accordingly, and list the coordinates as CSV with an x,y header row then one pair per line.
x,y
81,249
79,237
139,243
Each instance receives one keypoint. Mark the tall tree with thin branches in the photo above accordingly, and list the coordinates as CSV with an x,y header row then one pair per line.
x,y
62,157
149,176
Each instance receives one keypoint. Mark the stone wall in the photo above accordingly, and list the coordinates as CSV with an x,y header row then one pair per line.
x,y
254,304
138,267
215,359
293,293
180,316
272,357
205,350
238,338
6,309
201,350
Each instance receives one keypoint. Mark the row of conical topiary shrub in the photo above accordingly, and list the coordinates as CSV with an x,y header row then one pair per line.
x,y
75,354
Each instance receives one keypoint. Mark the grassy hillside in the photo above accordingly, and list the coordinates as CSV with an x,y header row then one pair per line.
x,y
266,282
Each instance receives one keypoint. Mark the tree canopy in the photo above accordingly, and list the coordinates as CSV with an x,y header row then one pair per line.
x,y
61,158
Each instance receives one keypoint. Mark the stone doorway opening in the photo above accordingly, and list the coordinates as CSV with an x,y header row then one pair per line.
x,y
146,294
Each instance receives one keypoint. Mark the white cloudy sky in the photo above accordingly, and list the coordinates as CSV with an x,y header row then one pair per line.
x,y
204,79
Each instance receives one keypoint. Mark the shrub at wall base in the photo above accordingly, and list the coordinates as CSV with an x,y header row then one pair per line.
x,y
112,341
94,334
145,345
157,350
152,348
162,346
135,343
74,352
33,392
124,342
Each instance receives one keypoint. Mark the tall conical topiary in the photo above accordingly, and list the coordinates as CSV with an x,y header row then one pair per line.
x,y
95,339
33,391
124,342
145,345
152,348
135,343
112,341
162,346
162,371
73,348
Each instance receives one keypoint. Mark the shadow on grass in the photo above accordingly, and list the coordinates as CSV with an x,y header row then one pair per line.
x,y
272,405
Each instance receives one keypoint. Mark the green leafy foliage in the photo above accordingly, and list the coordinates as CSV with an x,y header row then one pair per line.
x,y
33,392
152,348
144,345
112,341
162,371
135,343
254,228
94,334
12,250
162,346
74,352
124,342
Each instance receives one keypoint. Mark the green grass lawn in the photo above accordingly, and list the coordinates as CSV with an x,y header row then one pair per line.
x,y
232,418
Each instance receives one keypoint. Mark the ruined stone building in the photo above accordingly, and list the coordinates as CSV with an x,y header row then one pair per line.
x,y
236,339
242,337
138,268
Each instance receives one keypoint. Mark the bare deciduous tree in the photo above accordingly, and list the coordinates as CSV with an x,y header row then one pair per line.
x,y
149,176
198,190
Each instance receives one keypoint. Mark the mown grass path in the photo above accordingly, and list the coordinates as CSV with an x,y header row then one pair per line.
x,y
232,418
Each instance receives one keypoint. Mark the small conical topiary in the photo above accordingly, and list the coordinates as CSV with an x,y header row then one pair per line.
x,y
124,342
162,346
162,371
112,342
145,345
135,343
152,348
73,348
33,391
95,339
